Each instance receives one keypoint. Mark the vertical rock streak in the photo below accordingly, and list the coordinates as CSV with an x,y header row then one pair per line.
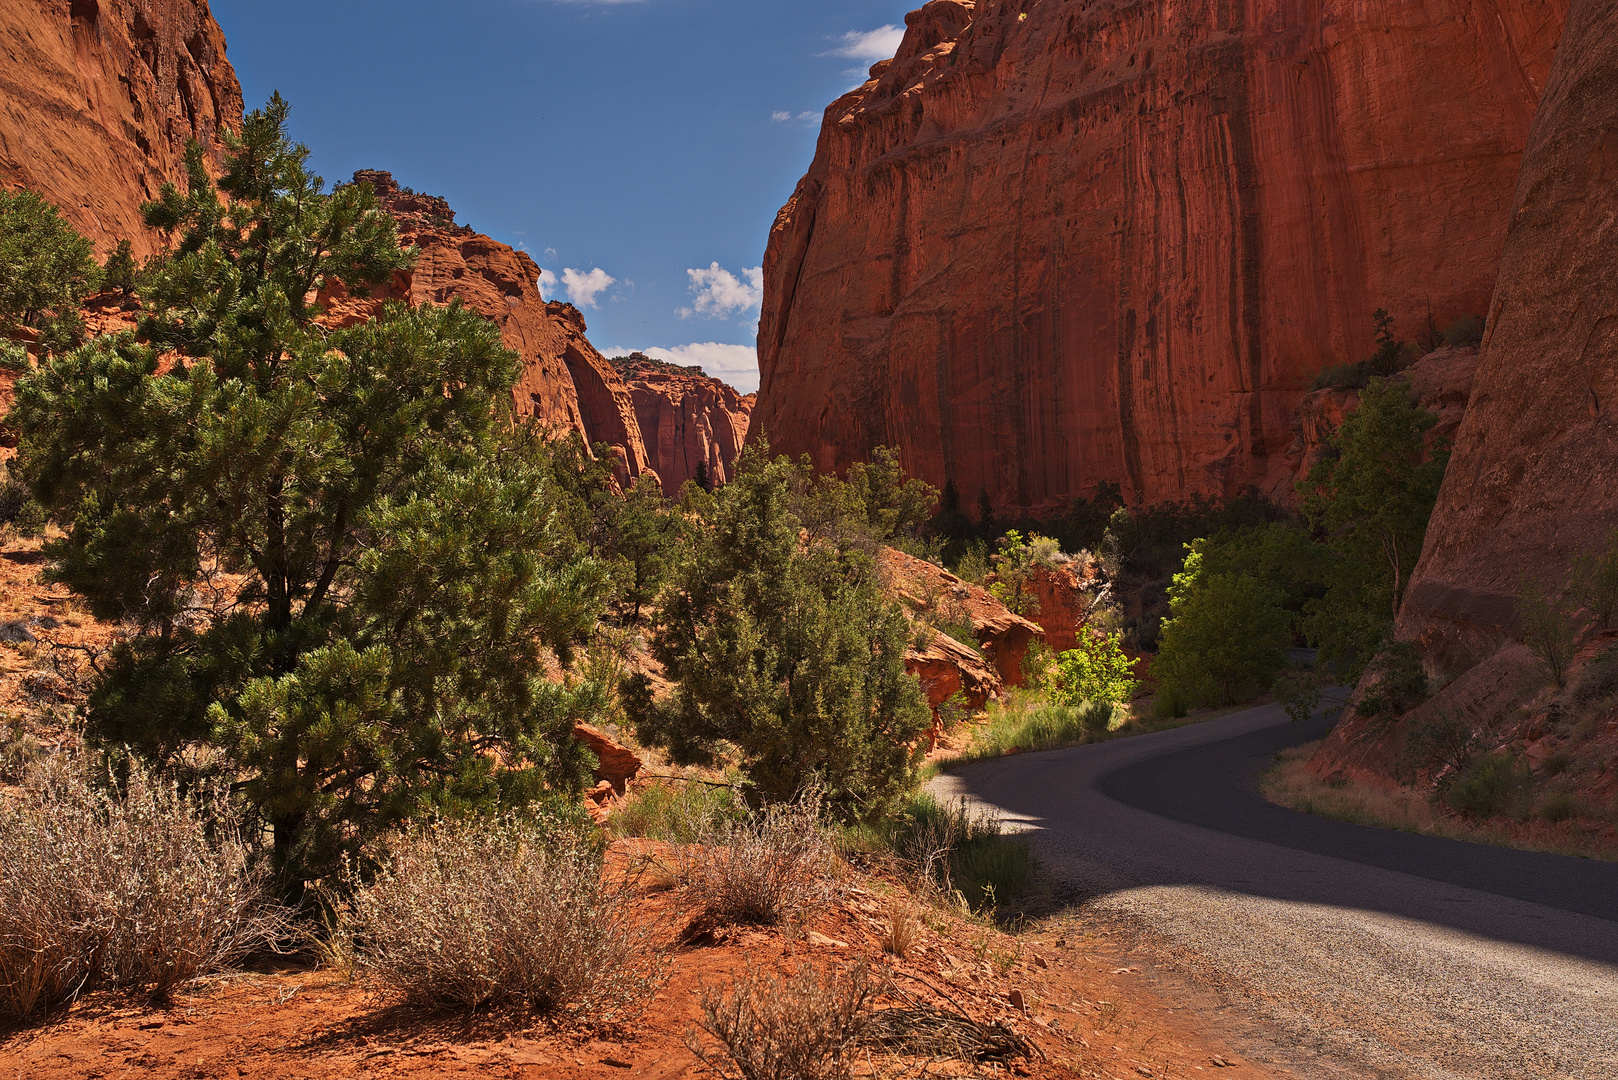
x,y
1115,241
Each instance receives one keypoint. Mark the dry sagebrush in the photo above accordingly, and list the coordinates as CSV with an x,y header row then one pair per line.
x,y
804,1028
504,913
144,889
761,869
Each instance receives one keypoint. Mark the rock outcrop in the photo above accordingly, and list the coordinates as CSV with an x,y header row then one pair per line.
x,y
1441,383
689,422
1534,475
1057,243
98,99
938,598
565,383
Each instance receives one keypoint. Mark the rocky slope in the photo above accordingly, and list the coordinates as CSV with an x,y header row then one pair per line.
x,y
1055,243
98,99
565,382
687,420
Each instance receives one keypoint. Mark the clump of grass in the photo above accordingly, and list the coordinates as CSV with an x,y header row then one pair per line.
x,y
960,853
143,888
761,868
1029,722
679,812
806,1027
504,912
899,935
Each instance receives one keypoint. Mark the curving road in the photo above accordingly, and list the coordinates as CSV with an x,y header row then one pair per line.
x,y
1351,951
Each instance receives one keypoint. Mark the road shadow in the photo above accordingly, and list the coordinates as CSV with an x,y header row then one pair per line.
x,y
1214,786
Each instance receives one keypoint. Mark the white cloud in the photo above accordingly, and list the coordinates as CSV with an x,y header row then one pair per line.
x,y
734,364
807,118
871,45
582,287
721,294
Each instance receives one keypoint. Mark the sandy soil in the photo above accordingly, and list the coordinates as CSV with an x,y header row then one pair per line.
x,y
1084,1008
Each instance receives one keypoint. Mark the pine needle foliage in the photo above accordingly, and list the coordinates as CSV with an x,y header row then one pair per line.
x,y
335,548
46,269
784,653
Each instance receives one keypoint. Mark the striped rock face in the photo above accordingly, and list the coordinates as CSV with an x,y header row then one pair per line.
x,y
1057,243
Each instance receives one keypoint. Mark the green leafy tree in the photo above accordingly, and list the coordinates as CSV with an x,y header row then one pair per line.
x,y
783,653
335,549
1015,565
1225,639
1096,670
46,271
1370,500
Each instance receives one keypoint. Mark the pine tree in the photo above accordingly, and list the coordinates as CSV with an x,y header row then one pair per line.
x,y
336,548
46,270
120,272
784,650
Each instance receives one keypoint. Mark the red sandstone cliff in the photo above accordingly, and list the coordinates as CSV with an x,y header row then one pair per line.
x,y
686,419
565,383
1056,243
1534,475
98,99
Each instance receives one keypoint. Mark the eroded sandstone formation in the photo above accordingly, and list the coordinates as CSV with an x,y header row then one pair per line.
x,y
1057,243
691,424
1534,475
1533,479
565,383
98,99
936,597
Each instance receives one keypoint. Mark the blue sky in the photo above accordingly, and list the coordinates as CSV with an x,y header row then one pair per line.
x,y
637,149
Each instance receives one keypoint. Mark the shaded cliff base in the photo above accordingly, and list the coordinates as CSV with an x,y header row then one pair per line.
x,y
1497,755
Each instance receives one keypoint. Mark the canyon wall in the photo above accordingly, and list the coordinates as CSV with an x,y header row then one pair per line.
x,y
1055,243
688,421
98,99
565,383
1534,475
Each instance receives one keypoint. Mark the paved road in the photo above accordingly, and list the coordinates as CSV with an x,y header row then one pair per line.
x,y
1355,951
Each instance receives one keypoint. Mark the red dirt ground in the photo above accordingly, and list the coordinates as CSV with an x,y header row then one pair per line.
x,y
1089,1017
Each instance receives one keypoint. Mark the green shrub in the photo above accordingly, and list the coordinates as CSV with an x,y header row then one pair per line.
x,y
1014,567
1096,670
1549,628
1561,806
1038,665
1442,747
1594,577
1397,681
1391,357
1492,786
1598,682
679,813
785,655
1225,640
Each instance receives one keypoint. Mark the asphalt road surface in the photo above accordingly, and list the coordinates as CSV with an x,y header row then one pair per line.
x,y
1352,951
